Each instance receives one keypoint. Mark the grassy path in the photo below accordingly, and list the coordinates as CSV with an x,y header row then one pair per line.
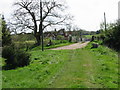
x,y
78,72
80,68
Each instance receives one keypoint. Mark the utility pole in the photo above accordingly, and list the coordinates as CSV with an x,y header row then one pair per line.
x,y
119,13
105,21
40,26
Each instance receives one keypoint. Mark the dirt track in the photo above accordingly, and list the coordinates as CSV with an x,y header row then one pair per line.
x,y
73,46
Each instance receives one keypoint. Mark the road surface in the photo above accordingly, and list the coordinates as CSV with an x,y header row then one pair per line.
x,y
73,46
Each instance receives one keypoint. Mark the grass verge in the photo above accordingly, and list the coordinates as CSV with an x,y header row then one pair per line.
x,y
52,46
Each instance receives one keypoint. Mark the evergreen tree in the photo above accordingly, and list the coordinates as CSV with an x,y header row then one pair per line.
x,y
6,37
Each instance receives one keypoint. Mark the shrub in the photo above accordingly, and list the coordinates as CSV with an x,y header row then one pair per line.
x,y
15,57
102,36
8,53
112,38
22,58
63,41
93,38
60,37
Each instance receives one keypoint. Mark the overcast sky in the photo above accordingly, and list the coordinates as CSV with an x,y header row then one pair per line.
x,y
88,14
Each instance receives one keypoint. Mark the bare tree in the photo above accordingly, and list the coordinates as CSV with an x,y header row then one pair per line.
x,y
27,15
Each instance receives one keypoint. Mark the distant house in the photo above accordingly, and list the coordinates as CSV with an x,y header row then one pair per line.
x,y
54,34
61,32
64,33
50,35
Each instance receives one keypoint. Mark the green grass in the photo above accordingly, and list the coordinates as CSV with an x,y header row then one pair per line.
x,y
107,66
52,46
80,68
42,67
88,36
31,46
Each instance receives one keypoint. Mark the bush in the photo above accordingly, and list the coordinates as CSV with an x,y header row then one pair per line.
x,y
63,41
60,37
25,45
102,36
22,58
112,38
15,57
8,53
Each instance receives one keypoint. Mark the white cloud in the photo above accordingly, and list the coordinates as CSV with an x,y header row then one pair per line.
x,y
6,7
88,13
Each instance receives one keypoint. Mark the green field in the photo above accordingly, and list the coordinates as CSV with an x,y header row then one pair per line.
x,y
88,36
80,68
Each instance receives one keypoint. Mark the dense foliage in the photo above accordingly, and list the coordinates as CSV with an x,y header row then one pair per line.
x,y
15,57
6,37
111,37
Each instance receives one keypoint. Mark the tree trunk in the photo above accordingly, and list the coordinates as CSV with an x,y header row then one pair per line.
x,y
38,39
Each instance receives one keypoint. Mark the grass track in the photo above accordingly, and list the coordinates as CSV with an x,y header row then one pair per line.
x,y
81,68
77,72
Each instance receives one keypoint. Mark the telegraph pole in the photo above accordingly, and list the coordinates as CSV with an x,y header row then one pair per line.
x,y
105,21
119,13
40,27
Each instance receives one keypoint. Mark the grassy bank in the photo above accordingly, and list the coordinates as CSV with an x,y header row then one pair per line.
x,y
30,45
53,46
43,66
107,66
80,68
